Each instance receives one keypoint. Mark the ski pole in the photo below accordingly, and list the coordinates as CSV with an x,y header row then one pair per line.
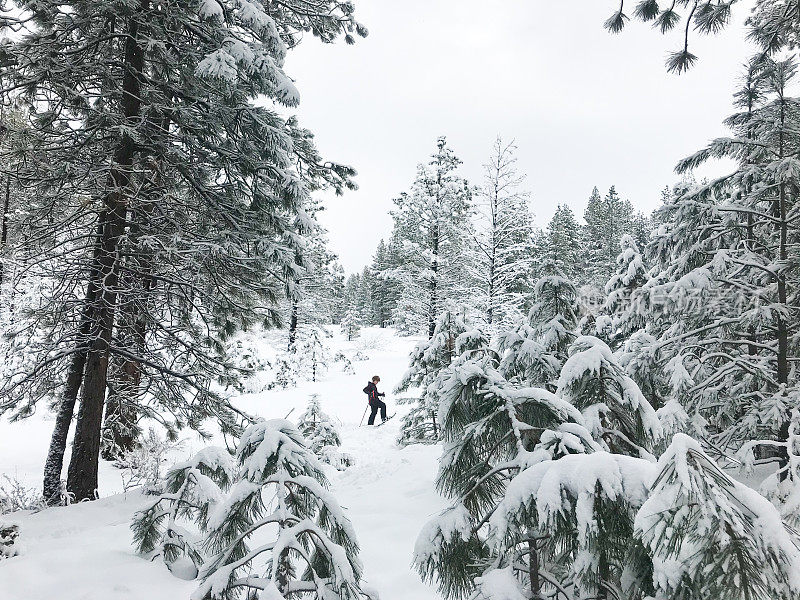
x,y
364,415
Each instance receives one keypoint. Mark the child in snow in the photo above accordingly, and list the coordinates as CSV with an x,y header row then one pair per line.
x,y
372,393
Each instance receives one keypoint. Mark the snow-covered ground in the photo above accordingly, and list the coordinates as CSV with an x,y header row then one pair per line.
x,y
83,552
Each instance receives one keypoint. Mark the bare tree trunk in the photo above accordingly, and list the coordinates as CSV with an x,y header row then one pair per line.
x,y
490,309
58,442
283,571
782,333
293,321
82,473
533,568
434,285
4,229
493,253
781,327
603,567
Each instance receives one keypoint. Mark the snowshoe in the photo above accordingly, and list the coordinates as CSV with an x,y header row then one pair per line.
x,y
385,421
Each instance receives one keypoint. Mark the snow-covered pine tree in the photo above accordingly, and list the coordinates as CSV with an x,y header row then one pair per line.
x,y
710,536
682,528
249,355
679,413
642,362
534,351
311,297
365,302
503,241
286,370
623,290
140,183
568,514
524,357
432,226
312,353
553,313
562,244
346,361
323,436
543,505
782,486
317,426
722,269
606,221
314,289
427,372
612,405
306,544
360,297
352,288
192,490
15,196
539,257
492,430
409,316
548,488
336,295
641,227
386,291
351,324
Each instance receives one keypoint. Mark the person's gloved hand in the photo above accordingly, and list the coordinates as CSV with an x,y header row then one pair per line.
x,y
382,394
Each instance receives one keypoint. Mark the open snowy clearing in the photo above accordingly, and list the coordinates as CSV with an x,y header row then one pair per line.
x,y
84,551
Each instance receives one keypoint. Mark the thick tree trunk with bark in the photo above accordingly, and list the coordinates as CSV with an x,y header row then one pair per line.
x,y
82,473
58,442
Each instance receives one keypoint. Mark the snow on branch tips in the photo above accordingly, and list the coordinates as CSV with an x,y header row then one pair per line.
x,y
263,521
712,537
280,499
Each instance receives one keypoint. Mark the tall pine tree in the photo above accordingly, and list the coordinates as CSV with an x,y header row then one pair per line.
x,y
503,239
562,243
432,226
162,207
607,219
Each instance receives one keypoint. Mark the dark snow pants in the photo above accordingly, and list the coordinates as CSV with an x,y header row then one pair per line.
x,y
375,405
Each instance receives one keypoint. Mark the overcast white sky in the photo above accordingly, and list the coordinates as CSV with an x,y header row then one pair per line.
x,y
586,108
